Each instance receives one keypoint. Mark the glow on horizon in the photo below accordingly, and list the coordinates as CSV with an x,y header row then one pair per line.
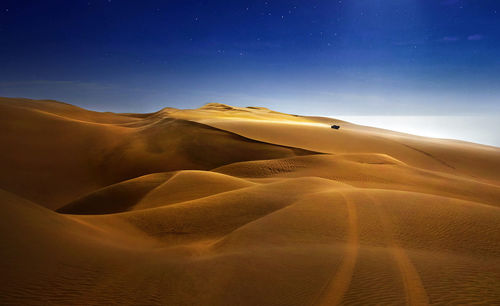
x,y
477,129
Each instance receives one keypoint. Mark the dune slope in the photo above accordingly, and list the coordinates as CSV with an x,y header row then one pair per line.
x,y
54,153
226,205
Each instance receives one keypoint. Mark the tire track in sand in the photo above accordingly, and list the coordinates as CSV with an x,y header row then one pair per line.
x,y
336,287
414,290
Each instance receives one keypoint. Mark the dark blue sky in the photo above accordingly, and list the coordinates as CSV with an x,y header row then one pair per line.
x,y
350,57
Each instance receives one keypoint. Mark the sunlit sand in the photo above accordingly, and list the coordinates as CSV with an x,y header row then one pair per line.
x,y
224,205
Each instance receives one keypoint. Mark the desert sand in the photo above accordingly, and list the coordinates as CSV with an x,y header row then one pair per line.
x,y
224,205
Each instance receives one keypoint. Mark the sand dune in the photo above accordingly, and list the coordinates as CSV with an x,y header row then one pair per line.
x,y
55,154
240,206
369,171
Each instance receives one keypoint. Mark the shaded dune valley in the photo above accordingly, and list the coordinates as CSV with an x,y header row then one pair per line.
x,y
225,205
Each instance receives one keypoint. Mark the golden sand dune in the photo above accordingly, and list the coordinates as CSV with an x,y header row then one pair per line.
x,y
240,206
55,154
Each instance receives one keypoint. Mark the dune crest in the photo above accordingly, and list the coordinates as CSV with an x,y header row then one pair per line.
x,y
226,205
56,153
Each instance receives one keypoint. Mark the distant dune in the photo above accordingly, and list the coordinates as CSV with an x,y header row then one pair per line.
x,y
225,205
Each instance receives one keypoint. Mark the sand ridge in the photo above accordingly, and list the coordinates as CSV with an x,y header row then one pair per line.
x,y
226,205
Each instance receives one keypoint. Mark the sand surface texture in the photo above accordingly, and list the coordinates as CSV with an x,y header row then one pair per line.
x,y
240,206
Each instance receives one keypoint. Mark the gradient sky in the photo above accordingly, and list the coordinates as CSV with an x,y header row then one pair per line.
x,y
349,57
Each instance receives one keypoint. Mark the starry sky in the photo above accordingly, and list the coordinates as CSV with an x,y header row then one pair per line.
x,y
348,57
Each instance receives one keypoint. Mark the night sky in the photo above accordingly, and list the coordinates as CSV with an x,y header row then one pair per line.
x,y
350,57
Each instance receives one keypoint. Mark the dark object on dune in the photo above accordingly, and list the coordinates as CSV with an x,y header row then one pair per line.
x,y
336,127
